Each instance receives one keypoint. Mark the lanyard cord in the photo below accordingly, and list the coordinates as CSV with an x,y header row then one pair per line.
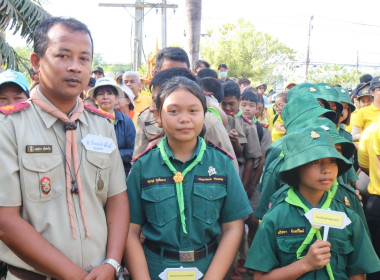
x,y
178,176
293,199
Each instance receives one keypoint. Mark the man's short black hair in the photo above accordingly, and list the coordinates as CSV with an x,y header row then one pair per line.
x,y
222,66
171,53
249,96
213,85
207,72
41,39
199,62
243,81
231,89
164,76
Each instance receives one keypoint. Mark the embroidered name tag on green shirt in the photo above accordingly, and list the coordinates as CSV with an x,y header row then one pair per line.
x,y
214,179
291,231
154,181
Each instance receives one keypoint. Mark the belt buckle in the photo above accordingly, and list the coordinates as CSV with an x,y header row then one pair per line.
x,y
186,256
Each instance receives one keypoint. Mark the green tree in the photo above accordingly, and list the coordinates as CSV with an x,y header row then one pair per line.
x,y
23,16
247,52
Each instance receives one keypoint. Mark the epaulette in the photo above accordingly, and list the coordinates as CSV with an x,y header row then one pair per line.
x,y
247,120
98,112
143,153
162,134
144,110
13,108
229,113
220,149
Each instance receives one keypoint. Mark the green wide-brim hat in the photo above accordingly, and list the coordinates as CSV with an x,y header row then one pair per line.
x,y
344,96
348,148
309,89
307,145
303,107
330,94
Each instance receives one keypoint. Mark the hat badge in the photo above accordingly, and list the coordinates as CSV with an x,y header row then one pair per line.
x,y
314,135
327,87
325,127
312,89
342,91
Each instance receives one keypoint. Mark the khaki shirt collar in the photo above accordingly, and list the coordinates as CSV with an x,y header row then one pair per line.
x,y
48,119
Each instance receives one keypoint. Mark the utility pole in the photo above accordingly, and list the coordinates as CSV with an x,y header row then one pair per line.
x,y
163,26
308,50
139,6
357,60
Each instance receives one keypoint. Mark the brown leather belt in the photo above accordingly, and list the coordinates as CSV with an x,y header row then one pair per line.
x,y
26,274
183,256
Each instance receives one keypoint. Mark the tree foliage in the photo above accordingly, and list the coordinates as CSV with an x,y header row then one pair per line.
x,y
247,52
23,16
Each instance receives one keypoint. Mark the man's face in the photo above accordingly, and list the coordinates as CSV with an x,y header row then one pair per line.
x,y
134,83
152,106
97,74
11,93
65,68
231,103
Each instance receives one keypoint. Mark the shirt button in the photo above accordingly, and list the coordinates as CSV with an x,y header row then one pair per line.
x,y
157,198
102,163
43,165
210,196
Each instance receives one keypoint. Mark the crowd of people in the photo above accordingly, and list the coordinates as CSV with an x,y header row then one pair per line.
x,y
197,176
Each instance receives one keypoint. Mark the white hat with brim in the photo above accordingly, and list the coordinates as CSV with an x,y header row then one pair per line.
x,y
105,81
129,94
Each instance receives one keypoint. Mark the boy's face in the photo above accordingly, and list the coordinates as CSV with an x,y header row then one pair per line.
x,y
259,109
248,108
365,101
344,112
317,176
11,93
231,103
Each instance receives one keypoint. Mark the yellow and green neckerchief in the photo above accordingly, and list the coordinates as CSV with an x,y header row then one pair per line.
x,y
178,176
293,199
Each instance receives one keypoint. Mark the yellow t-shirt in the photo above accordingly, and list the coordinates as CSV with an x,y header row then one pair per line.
x,y
353,117
271,113
368,147
142,102
366,116
276,133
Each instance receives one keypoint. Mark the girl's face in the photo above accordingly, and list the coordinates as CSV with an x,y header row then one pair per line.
x,y
259,109
248,108
332,106
181,116
365,101
318,175
344,112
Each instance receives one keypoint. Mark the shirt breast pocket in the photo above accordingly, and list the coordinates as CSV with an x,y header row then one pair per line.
x,y
340,249
208,201
100,167
288,246
35,168
160,204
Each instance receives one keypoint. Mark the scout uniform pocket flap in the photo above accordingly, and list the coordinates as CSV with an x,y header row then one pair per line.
x,y
341,247
157,194
210,192
41,162
100,160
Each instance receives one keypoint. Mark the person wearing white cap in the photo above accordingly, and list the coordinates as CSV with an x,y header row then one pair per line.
x,y
125,103
14,87
106,93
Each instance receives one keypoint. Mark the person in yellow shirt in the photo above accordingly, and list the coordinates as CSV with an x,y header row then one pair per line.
x,y
278,129
132,80
364,99
370,114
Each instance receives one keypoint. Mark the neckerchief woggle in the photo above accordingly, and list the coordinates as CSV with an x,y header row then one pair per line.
x,y
178,176
293,199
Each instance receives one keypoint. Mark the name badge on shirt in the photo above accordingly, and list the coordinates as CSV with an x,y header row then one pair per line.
x,y
39,148
98,143
188,273
291,231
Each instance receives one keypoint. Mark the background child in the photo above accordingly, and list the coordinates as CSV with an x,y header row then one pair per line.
x,y
183,194
278,129
311,167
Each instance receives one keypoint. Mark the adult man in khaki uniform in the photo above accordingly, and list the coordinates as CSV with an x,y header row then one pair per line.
x,y
64,210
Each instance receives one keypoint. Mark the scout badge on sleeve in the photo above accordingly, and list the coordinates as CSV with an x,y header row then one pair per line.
x,y
45,185
183,273
327,218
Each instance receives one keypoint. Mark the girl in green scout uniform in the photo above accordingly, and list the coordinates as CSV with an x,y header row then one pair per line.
x,y
183,194
286,246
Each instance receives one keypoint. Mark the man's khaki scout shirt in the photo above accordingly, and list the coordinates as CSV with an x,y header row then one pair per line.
x,y
21,173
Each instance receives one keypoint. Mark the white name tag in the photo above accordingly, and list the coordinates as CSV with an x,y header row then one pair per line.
x,y
181,273
98,143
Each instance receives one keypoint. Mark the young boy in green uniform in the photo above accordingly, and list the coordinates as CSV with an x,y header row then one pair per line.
x,y
184,194
286,246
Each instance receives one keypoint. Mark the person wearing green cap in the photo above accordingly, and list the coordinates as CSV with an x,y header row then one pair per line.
x,y
286,246
183,194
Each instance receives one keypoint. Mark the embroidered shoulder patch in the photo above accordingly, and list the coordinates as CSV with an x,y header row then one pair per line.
x,y
13,108
143,111
291,231
143,153
98,112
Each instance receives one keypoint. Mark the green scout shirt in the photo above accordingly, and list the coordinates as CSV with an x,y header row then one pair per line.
x,y
210,200
350,175
285,227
